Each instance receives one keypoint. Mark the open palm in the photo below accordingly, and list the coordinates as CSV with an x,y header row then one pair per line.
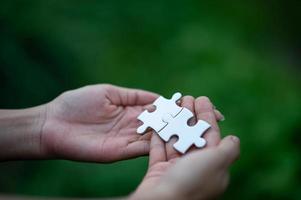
x,y
96,123
200,174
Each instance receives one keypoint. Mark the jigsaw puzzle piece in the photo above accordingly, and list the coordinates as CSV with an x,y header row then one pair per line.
x,y
150,120
154,119
187,135
168,106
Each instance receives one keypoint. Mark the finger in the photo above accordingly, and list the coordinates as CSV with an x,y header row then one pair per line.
x,y
204,111
230,150
139,97
136,149
188,102
219,116
147,136
171,152
157,150
130,97
149,107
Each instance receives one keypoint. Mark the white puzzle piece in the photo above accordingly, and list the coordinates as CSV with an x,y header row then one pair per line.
x,y
187,135
154,119
169,120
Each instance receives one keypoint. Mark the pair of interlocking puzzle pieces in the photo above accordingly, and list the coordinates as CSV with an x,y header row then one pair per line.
x,y
169,120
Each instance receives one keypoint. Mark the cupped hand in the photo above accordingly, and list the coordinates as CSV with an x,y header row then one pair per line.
x,y
96,123
199,174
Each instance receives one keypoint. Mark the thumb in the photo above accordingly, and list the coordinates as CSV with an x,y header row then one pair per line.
x,y
230,149
130,97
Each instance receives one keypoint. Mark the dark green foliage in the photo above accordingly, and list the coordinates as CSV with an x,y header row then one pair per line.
x,y
240,54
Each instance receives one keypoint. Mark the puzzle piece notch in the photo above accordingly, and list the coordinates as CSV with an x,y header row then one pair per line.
x,y
154,119
187,135
150,121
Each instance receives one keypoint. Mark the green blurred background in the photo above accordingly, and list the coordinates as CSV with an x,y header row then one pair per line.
x,y
244,55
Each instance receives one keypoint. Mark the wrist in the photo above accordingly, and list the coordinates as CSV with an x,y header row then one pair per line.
x,y
20,136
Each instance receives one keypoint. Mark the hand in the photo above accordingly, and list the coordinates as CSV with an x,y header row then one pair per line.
x,y
96,123
199,174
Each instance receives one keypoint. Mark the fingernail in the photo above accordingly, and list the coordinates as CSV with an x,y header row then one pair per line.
x,y
235,139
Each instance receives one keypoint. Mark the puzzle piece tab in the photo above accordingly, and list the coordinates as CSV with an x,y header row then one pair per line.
x,y
169,119
187,135
154,119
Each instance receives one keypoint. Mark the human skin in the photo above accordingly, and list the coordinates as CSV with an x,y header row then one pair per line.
x,y
98,124
95,123
199,174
